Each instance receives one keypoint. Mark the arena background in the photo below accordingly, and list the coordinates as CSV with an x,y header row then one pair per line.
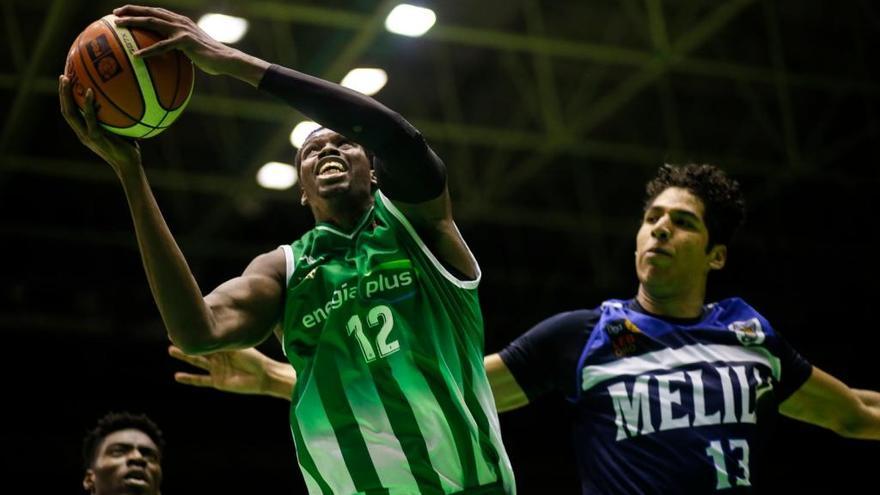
x,y
550,116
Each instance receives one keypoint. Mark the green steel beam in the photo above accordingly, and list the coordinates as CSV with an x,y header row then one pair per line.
x,y
13,36
16,115
786,111
551,110
625,91
506,41
165,179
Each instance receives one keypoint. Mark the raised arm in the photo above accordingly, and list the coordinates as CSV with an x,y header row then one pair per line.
x,y
239,313
407,170
825,401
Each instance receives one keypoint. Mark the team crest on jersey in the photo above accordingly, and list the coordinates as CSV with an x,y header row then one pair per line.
x,y
748,332
623,336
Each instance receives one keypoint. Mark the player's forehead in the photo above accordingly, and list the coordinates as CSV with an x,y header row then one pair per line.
x,y
131,437
678,200
320,136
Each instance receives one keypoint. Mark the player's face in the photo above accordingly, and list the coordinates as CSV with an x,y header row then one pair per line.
x,y
671,244
334,172
127,462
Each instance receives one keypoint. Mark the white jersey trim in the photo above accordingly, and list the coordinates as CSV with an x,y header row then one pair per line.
x,y
289,263
668,359
333,230
464,284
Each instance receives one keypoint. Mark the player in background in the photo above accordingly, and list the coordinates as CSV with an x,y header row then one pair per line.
x,y
122,455
378,302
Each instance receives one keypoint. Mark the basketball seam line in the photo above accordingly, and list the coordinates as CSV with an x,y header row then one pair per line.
x,y
155,92
137,84
153,81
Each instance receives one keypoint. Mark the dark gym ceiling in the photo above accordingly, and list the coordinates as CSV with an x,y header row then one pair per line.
x,y
549,115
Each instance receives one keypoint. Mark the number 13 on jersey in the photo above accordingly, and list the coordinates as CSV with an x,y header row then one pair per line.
x,y
739,451
378,316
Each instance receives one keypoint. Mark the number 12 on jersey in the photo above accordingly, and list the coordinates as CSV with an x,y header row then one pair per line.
x,y
378,315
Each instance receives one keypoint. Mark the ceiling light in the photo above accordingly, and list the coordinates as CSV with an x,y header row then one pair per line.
x,y
410,20
276,175
366,81
223,28
302,131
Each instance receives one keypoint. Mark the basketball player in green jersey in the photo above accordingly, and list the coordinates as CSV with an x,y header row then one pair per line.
x,y
377,302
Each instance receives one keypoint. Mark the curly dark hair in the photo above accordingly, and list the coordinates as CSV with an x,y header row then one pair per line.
x,y
115,421
721,196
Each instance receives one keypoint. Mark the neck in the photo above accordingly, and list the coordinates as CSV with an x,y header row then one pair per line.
x,y
344,217
685,304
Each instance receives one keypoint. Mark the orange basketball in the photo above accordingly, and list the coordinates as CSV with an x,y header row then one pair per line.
x,y
134,97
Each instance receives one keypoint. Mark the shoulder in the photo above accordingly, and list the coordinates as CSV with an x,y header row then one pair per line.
x,y
736,312
577,318
271,264
565,325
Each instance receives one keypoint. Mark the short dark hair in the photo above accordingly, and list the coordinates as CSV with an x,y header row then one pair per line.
x,y
116,421
725,208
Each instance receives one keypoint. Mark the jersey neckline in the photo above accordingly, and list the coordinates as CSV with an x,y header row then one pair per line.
x,y
329,227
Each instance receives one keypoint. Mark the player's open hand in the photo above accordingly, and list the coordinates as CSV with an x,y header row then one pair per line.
x,y
242,371
180,33
115,150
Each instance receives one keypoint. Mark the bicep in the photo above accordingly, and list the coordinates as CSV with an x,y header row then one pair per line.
x,y
507,392
245,309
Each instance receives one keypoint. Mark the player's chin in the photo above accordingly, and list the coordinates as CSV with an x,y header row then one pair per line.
x,y
334,189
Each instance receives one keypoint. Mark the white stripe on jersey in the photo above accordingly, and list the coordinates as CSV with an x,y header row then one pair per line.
x,y
464,284
667,359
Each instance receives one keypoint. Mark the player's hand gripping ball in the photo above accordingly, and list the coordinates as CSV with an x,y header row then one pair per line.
x,y
135,97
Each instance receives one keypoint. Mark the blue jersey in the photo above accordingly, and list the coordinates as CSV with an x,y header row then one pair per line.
x,y
663,406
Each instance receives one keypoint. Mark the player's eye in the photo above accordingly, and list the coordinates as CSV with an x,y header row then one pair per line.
x,y
684,222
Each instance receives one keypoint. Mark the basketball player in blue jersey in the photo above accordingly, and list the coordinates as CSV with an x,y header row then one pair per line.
x,y
377,303
671,395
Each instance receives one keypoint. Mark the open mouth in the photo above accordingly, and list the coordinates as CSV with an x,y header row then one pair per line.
x,y
136,476
659,251
330,166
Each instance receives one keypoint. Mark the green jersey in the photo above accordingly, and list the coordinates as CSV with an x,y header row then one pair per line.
x,y
391,394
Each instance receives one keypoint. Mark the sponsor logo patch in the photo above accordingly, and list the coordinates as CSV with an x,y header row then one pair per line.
x,y
623,335
748,332
102,58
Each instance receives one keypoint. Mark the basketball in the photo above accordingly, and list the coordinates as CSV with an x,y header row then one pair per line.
x,y
133,96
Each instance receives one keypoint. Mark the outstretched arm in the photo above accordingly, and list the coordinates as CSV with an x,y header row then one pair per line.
x,y
248,371
245,371
407,170
507,392
239,313
827,402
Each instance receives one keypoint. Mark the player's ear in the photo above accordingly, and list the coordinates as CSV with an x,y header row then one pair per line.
x,y
717,257
303,200
89,481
